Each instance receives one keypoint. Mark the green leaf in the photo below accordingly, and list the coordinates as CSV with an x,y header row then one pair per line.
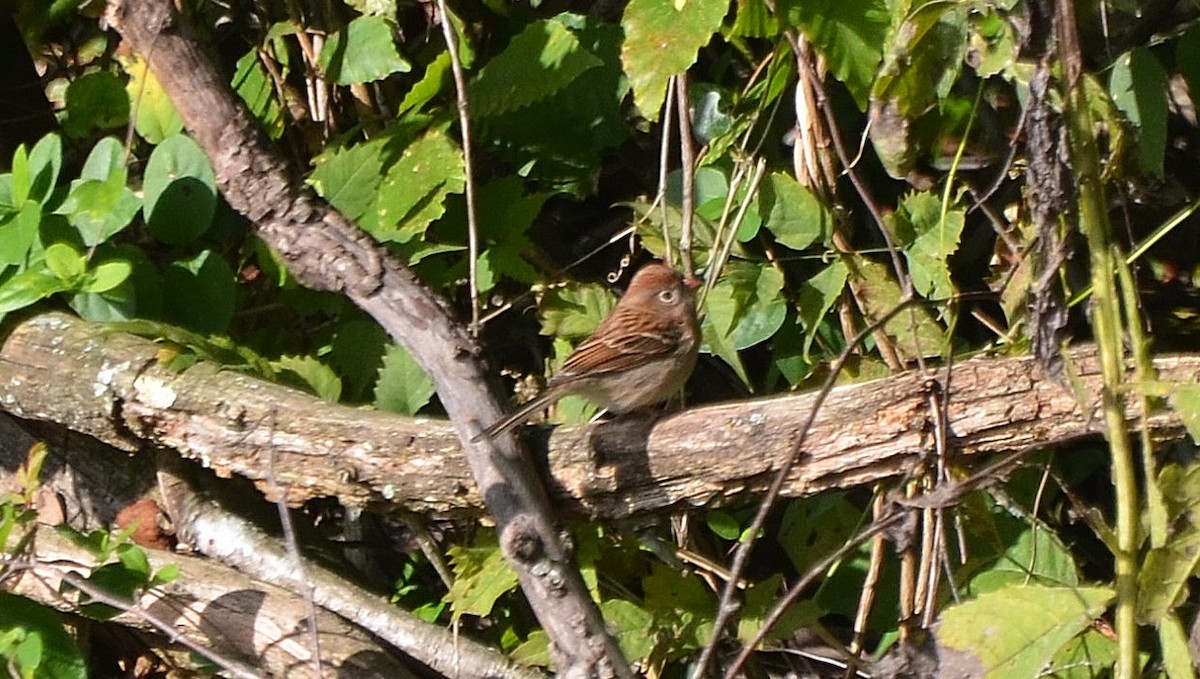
x,y
816,526
19,236
202,291
106,159
155,117
134,558
914,329
65,262
1163,577
574,310
924,58
98,209
817,296
116,304
60,657
254,85
21,181
723,524
180,191
1017,630
1185,399
28,287
761,599
362,52
313,374
414,191
96,101
632,625
794,214
937,238
403,386
438,76
746,303
542,60
481,576
1138,86
357,355
45,163
106,275
662,39
1177,658
850,34
349,178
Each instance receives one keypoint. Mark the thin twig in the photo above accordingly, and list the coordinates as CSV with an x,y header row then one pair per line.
x,y
464,129
687,169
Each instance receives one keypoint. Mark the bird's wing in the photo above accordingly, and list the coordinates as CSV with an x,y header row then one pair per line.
x,y
644,338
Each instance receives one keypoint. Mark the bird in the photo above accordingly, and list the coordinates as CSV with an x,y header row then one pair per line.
x,y
641,354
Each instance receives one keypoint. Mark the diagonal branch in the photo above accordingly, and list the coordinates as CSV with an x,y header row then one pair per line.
x,y
327,252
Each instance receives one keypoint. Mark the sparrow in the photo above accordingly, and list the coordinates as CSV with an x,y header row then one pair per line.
x,y
641,354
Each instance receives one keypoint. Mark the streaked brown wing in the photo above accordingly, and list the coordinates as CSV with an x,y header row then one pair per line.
x,y
639,340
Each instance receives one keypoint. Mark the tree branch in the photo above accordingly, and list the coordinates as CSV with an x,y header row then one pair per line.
x,y
327,252
108,385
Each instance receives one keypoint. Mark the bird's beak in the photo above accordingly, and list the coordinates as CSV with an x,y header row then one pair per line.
x,y
692,282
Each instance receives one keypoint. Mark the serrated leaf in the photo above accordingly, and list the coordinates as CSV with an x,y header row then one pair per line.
x,y
414,191
349,178
632,625
539,62
362,52
314,374
936,239
817,296
438,76
914,329
481,576
1017,630
180,191
155,117
850,34
1138,86
662,40
403,387
573,311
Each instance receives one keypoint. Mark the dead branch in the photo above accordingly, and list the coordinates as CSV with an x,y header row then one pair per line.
x,y
214,608
109,385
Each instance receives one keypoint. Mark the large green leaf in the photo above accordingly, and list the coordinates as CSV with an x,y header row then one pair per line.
x,y
254,85
414,191
362,52
403,386
662,39
155,117
202,293
180,191
349,178
1138,86
57,655
1015,631
542,60
848,33
1163,577
794,214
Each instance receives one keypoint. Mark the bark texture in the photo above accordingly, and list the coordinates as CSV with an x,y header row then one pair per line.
x,y
109,385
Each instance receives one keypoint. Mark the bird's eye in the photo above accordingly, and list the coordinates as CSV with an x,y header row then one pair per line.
x,y
667,296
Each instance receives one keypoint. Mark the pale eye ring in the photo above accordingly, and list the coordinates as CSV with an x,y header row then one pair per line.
x,y
667,296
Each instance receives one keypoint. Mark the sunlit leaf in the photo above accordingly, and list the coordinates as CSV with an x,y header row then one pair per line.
x,y
663,39
362,52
